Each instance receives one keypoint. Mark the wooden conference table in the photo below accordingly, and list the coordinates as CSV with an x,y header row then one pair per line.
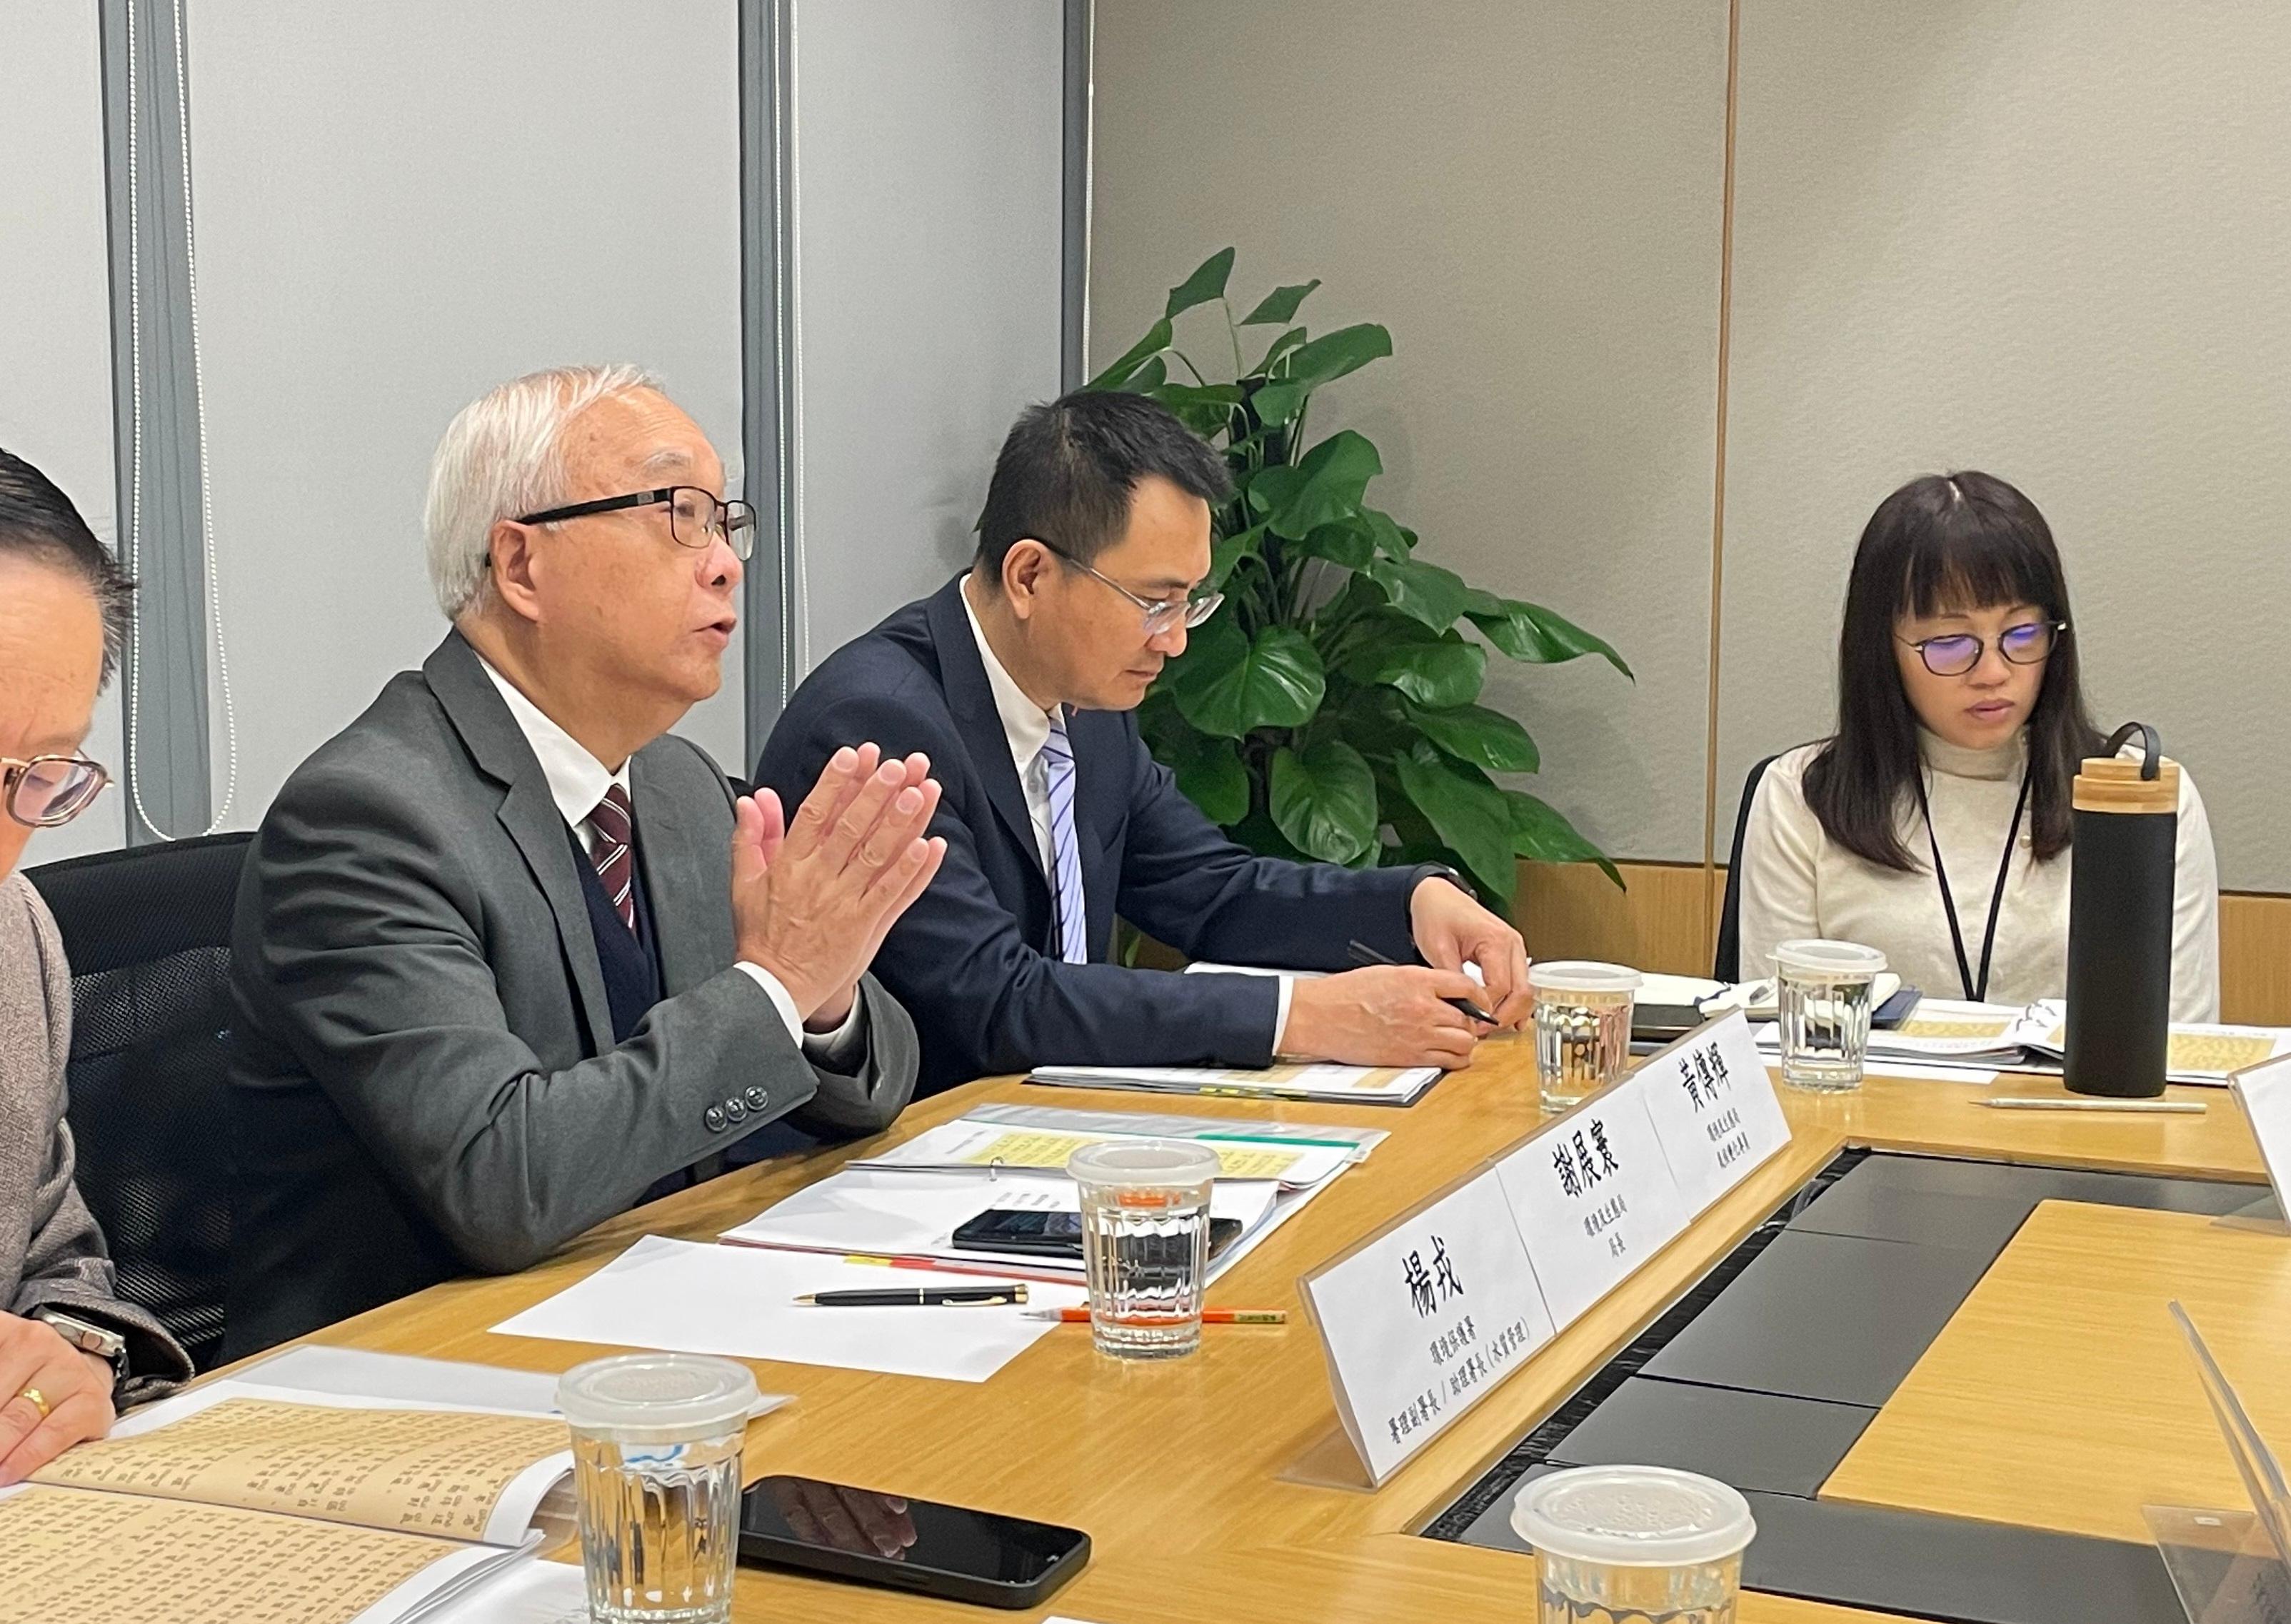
x,y
1193,1477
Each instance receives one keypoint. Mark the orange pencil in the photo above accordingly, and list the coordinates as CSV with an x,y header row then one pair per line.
x,y
1210,1316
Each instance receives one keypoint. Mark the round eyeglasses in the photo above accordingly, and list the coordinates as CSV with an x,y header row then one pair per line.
x,y
1958,653
46,791
696,518
1162,615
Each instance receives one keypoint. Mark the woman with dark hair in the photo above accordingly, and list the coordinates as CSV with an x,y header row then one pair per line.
x,y
1935,823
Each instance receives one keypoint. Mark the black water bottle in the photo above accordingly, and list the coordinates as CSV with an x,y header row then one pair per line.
x,y
2124,851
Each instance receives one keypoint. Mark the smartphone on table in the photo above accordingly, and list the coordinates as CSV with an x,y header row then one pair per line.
x,y
877,1539
1029,1230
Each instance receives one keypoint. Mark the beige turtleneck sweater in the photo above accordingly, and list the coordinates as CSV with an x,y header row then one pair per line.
x,y
1796,882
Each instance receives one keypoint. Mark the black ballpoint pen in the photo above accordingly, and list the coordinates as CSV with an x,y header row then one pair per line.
x,y
919,1297
1362,954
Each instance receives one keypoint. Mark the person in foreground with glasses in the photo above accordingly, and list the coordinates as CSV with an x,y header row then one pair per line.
x,y
1935,823
509,956
1018,680
71,1350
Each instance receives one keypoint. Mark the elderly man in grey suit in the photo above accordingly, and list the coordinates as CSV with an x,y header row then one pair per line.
x,y
69,1349
509,956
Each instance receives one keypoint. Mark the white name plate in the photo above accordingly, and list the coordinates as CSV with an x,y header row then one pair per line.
x,y
1714,1108
1422,1321
2264,1093
1594,1198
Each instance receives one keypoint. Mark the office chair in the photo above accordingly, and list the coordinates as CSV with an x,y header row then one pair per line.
x,y
148,933
1728,966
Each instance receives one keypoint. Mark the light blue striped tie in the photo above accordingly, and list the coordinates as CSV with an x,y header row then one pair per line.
x,y
1065,852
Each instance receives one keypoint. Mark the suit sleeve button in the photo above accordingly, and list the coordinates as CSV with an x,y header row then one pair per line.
x,y
715,1119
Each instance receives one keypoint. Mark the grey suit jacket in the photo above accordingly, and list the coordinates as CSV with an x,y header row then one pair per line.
x,y
425,1078
50,1252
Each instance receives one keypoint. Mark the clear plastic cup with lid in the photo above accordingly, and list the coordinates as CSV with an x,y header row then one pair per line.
x,y
1145,1242
1824,995
656,1482
1582,1027
1634,1542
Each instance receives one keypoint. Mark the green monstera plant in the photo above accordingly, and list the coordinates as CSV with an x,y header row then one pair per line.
x,y
1328,709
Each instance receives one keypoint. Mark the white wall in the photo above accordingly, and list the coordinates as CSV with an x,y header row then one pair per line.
x,y
55,314
927,212
399,206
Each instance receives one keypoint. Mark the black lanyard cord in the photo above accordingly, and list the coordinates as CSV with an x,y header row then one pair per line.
x,y
1976,992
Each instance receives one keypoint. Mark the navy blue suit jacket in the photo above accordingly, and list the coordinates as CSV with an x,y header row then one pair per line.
x,y
975,959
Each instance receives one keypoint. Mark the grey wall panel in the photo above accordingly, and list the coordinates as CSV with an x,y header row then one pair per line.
x,y
397,208
929,138
2046,238
1529,195
55,319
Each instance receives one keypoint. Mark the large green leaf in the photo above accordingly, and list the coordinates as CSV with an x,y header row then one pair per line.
x,y
1212,777
1341,542
1276,403
1483,737
1440,675
1270,489
1332,355
1334,475
1206,283
1280,347
1324,801
1280,305
1207,409
1529,631
1541,831
1465,810
1394,542
1228,685
1156,340
1224,554
1422,591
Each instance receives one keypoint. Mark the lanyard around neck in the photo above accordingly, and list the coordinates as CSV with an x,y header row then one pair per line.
x,y
1977,991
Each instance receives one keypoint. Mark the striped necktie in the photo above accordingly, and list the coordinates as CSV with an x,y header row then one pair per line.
x,y
614,832
1065,851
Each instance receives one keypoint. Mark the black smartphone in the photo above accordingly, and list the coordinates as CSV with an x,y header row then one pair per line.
x,y
1053,1235
906,1544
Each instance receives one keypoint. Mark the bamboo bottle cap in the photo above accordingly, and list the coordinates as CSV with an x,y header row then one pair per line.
x,y
2113,783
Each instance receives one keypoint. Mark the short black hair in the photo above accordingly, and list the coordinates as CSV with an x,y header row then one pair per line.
x,y
37,521
1069,468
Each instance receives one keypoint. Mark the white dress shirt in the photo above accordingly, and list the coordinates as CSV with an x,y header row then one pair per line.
x,y
577,782
1026,726
1799,882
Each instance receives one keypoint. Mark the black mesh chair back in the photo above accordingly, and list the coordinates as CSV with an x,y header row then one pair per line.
x,y
148,933
1728,966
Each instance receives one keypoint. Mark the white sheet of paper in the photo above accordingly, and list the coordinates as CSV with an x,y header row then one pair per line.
x,y
885,1213
1422,1322
1714,1109
1593,1198
693,1297
2264,1093
965,1145
528,1592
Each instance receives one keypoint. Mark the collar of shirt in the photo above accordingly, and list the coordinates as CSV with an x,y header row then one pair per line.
x,y
1999,761
1025,724
577,780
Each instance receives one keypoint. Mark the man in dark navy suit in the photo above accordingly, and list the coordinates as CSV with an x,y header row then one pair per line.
x,y
1018,680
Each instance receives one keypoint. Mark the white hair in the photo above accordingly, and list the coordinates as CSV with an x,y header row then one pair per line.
x,y
504,455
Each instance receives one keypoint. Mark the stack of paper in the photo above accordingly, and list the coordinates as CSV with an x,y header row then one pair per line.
x,y
1319,1082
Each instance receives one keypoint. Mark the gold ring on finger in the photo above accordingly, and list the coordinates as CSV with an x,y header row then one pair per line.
x,y
37,1401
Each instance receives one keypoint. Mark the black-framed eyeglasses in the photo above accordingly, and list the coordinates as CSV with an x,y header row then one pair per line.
x,y
696,518
2031,643
46,791
1161,613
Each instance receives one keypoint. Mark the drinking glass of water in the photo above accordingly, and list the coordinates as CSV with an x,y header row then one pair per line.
x,y
657,1481
1641,1544
1823,995
1145,1242
1582,1027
